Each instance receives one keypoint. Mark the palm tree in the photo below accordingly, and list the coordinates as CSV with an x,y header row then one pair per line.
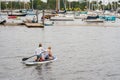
x,y
93,5
119,3
116,5
100,3
113,5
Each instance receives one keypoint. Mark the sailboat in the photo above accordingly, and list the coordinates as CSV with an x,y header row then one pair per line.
x,y
31,11
16,13
61,16
58,7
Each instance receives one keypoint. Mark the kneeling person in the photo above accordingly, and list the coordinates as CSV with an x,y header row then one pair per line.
x,y
48,54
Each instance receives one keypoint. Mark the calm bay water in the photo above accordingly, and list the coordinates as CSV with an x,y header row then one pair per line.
x,y
84,53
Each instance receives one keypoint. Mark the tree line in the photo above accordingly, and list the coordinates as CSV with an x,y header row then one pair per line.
x,y
51,5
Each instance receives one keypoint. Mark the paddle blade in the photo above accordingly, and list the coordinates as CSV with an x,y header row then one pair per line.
x,y
24,59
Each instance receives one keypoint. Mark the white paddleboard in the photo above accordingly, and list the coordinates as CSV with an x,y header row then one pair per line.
x,y
30,63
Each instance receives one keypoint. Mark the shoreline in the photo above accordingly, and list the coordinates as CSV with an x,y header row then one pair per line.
x,y
67,25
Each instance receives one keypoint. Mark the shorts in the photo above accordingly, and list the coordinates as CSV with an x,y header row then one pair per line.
x,y
38,56
47,57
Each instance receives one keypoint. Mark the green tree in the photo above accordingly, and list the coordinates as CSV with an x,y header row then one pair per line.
x,y
101,6
3,5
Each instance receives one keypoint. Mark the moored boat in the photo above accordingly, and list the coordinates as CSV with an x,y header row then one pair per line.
x,y
48,23
108,18
17,14
2,21
57,18
94,20
12,17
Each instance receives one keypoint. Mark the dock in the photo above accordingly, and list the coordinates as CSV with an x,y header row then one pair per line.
x,y
34,25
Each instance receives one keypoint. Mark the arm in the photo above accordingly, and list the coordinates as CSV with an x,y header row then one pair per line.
x,y
44,50
50,53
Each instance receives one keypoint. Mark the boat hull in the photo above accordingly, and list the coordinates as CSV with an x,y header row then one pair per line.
x,y
95,20
17,14
2,21
62,19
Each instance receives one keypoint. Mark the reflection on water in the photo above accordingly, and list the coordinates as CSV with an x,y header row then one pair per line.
x,y
84,53
44,71
39,69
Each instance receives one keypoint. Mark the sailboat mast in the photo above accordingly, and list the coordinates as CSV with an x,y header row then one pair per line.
x,y
11,5
32,4
89,5
6,3
64,2
24,4
57,5
0,5
69,4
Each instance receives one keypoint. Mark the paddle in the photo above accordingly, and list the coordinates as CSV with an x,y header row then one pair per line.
x,y
24,59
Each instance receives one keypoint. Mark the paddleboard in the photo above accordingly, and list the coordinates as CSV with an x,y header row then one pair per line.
x,y
30,63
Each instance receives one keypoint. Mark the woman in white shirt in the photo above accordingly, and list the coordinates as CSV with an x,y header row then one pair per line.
x,y
39,52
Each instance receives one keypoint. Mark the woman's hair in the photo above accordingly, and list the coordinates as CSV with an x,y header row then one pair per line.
x,y
40,45
49,47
